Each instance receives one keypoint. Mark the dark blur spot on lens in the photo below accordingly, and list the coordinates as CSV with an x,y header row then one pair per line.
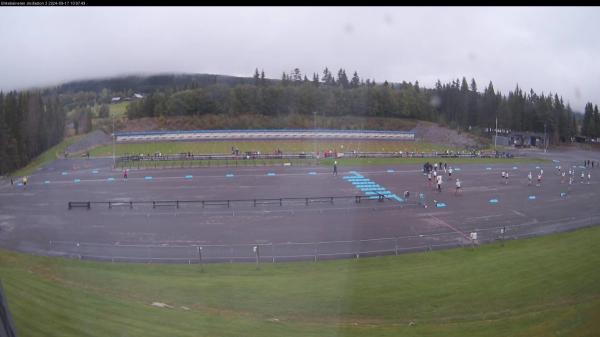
x,y
435,101
349,28
387,18
472,56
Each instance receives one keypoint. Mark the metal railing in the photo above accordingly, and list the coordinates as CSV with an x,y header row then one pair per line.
x,y
229,203
261,252
182,160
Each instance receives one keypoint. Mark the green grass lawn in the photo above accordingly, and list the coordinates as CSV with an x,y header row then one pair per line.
x,y
266,147
46,157
117,110
392,161
546,286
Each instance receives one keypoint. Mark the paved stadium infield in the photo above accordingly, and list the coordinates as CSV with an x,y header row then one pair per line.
x,y
36,218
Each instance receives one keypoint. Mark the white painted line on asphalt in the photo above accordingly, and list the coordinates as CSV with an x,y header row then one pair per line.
x,y
519,213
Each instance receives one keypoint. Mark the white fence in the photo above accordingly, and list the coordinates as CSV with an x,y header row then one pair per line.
x,y
262,134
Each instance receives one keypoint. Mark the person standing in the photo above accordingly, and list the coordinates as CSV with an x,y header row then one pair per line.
x,y
529,177
125,174
562,178
589,177
335,168
429,178
439,183
450,173
457,186
506,178
539,180
503,175
582,176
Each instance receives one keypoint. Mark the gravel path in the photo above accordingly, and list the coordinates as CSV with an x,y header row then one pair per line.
x,y
433,133
94,138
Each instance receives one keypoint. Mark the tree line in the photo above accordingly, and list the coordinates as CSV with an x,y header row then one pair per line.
x,y
458,103
30,123
591,121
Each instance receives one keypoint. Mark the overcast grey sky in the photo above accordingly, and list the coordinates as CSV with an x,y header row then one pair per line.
x,y
547,49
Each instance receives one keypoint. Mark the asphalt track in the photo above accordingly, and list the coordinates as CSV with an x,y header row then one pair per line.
x,y
36,218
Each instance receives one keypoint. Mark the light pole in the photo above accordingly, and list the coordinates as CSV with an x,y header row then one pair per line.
x,y
496,138
545,141
114,137
315,134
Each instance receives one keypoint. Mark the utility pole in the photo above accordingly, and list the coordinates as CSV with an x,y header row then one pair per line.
x,y
315,133
545,140
496,139
114,137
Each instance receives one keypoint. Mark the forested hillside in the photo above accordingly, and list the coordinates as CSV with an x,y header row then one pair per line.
x,y
30,123
459,103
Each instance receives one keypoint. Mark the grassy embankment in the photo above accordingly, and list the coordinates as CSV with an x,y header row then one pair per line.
x,y
49,155
536,287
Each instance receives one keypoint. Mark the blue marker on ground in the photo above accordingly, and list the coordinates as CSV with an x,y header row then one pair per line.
x,y
148,177
110,179
493,201
532,197
229,175
188,177
76,181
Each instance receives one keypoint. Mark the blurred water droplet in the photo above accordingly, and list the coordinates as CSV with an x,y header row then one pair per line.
x,y
387,18
435,101
472,56
349,28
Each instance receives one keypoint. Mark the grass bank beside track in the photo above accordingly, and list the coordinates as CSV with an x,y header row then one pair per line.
x,y
547,286
49,155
